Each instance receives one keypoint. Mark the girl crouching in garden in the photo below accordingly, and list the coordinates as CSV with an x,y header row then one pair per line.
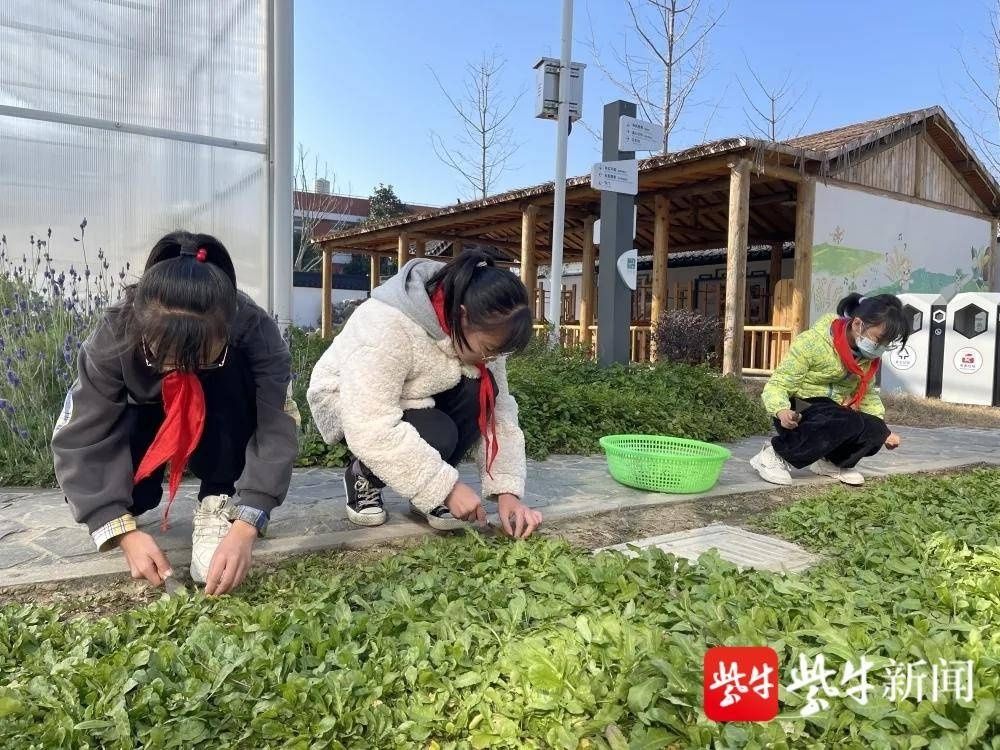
x,y
186,370
822,396
416,379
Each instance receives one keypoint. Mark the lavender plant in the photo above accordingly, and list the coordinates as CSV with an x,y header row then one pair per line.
x,y
45,315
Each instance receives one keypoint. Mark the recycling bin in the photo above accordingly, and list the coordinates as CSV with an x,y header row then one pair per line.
x,y
971,350
916,368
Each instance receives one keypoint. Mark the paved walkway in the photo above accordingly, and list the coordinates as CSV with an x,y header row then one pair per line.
x,y
40,543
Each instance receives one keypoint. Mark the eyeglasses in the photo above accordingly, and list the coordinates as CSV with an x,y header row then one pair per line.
x,y
220,361
890,347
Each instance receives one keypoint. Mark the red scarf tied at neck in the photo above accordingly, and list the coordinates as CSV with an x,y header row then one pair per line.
x,y
180,433
487,393
843,347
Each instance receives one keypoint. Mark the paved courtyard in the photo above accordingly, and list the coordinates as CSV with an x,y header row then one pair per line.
x,y
39,542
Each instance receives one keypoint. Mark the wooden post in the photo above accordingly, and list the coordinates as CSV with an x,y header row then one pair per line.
x,y
403,253
993,267
736,267
420,247
805,211
456,247
587,283
529,263
374,270
326,311
777,253
661,247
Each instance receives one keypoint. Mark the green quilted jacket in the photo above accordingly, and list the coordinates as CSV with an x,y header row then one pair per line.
x,y
812,369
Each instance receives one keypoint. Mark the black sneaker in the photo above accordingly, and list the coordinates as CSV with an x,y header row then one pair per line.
x,y
364,497
440,518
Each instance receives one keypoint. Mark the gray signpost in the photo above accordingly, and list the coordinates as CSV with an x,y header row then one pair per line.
x,y
614,298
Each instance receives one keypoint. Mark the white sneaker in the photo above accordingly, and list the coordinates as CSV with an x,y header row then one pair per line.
x,y
824,468
771,467
211,524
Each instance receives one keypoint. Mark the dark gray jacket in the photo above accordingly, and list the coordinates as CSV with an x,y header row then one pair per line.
x,y
93,459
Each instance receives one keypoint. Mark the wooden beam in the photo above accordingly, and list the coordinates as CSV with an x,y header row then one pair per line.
x,y
661,248
736,267
456,247
326,311
587,306
374,271
919,163
403,254
420,247
777,259
779,172
529,258
805,211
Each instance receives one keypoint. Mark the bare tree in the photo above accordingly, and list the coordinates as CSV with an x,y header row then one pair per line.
x,y
485,141
773,107
312,209
983,95
663,57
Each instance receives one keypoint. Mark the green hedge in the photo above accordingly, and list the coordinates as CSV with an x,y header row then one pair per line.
x,y
567,402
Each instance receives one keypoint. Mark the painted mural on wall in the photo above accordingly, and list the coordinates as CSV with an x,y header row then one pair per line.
x,y
876,245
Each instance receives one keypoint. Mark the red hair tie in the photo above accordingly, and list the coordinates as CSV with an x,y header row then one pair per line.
x,y
202,255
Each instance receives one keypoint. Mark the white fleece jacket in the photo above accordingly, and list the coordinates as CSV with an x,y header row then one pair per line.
x,y
391,356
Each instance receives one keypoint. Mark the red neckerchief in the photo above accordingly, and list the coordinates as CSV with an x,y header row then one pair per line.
x,y
843,347
178,436
487,393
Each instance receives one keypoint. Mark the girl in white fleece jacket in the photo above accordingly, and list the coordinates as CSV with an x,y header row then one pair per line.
x,y
416,378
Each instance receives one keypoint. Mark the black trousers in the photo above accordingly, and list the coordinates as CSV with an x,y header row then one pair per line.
x,y
828,430
230,422
451,427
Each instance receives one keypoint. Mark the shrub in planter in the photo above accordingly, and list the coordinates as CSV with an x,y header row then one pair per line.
x,y
568,402
687,336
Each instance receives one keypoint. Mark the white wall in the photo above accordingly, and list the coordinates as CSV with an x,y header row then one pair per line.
x,y
307,304
871,243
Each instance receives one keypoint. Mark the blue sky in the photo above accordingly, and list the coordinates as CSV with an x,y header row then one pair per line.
x,y
366,100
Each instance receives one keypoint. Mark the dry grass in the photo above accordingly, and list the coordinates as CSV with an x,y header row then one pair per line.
x,y
908,411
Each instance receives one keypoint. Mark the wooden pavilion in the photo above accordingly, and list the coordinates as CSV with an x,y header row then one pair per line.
x,y
735,193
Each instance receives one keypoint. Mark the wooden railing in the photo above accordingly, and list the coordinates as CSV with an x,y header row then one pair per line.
x,y
763,346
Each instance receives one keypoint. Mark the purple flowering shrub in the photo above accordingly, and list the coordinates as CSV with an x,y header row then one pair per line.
x,y
45,314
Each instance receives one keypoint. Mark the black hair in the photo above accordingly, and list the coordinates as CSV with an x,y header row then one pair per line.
x,y
881,309
185,302
495,300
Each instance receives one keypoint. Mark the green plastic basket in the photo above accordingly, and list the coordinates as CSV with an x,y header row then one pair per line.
x,y
664,464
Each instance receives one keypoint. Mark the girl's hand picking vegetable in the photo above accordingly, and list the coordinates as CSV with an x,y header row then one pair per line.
x,y
517,519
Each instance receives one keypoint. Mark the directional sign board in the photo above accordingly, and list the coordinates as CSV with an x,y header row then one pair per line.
x,y
639,135
616,176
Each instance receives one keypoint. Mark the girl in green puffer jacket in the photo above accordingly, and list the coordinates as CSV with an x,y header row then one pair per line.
x,y
825,409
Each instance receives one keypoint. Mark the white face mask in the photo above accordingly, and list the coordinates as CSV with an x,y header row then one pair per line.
x,y
870,349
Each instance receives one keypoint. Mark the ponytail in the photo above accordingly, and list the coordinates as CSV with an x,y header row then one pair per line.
x,y
493,299
881,309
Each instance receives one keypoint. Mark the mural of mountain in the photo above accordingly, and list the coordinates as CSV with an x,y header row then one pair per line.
x,y
837,260
922,281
